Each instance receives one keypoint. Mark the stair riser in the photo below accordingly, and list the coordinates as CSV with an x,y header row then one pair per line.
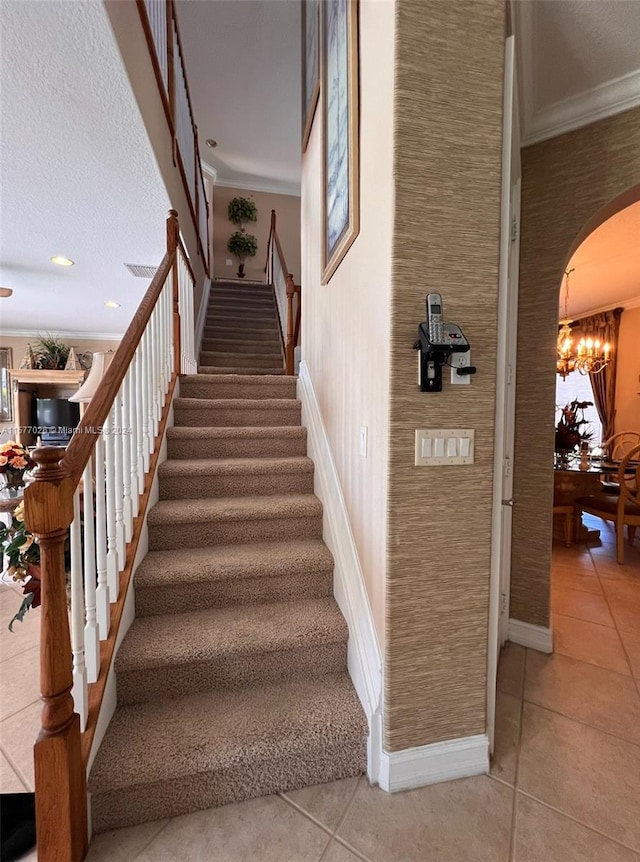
x,y
250,321
202,486
241,360
230,369
201,534
224,303
237,389
237,671
225,341
237,447
179,598
214,417
201,790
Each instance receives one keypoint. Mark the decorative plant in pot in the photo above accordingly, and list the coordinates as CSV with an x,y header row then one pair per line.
x,y
570,430
243,245
22,550
49,353
14,462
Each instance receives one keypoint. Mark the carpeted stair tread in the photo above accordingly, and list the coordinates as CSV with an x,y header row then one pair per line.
x,y
167,758
236,411
220,369
175,512
201,634
221,386
227,562
185,442
240,359
236,466
224,477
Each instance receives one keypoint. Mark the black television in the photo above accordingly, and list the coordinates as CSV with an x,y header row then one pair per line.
x,y
56,419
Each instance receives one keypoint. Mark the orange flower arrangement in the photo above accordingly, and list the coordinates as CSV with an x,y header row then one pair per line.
x,y
14,458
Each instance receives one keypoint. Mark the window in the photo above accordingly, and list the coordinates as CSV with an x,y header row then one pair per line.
x,y
5,389
578,386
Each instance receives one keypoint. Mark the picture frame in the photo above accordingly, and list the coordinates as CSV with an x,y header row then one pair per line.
x,y
6,403
340,131
310,65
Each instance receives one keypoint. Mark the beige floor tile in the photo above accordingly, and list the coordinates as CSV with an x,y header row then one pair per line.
x,y
25,635
589,642
10,782
446,821
583,772
631,644
624,600
337,852
598,697
507,737
511,669
19,681
123,845
267,829
580,605
17,736
576,558
326,803
543,835
568,578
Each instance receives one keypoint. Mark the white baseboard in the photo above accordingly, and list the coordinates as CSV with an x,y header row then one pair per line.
x,y
528,635
202,316
364,657
431,764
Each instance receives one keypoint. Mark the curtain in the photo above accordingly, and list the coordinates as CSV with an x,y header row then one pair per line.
x,y
604,326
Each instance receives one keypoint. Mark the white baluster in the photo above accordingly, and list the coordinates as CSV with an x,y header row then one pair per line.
x,y
79,689
117,439
157,373
91,635
133,441
102,592
144,387
110,465
164,355
127,505
140,415
170,324
151,386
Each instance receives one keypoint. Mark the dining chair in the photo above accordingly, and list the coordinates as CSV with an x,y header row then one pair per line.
x,y
616,448
622,509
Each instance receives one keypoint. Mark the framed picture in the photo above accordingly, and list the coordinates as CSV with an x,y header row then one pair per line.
x,y
341,205
6,360
310,65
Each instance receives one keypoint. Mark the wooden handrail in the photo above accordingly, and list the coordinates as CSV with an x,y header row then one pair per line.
x,y
292,325
60,755
79,450
168,97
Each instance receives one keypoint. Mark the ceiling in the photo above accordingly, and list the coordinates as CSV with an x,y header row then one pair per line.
x,y
79,178
78,175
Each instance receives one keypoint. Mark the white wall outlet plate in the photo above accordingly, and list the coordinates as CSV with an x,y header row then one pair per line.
x,y
460,360
229,262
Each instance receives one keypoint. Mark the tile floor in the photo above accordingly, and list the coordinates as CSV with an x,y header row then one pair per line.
x,y
565,778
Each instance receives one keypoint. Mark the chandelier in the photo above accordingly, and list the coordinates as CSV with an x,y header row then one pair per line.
x,y
589,356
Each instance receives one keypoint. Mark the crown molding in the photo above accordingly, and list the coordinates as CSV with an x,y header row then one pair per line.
x,y
208,170
276,189
606,100
62,333
625,304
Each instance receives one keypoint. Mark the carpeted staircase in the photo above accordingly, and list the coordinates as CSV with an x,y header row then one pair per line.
x,y
232,681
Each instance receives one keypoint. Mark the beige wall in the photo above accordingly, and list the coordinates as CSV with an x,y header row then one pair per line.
x,y
448,126
19,344
628,373
346,323
565,182
287,209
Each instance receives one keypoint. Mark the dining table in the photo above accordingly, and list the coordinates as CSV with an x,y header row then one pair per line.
x,y
573,478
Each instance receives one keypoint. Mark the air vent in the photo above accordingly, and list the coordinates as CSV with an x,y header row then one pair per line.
x,y
140,270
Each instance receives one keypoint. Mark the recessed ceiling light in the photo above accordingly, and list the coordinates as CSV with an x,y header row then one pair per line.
x,y
112,304
211,143
62,261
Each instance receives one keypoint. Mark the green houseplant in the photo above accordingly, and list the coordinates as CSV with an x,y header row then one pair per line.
x,y
243,245
242,210
49,353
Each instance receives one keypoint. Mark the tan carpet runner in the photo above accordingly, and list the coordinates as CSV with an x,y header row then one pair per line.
x,y
232,681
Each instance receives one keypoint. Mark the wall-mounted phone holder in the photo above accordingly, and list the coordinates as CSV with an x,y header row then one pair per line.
x,y
437,342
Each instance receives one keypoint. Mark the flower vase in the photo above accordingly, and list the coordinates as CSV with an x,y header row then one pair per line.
x,y
13,482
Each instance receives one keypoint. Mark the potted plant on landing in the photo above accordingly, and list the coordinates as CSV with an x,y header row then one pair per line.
x,y
243,245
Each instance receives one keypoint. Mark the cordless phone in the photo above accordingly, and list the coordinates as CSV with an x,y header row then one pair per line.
x,y
434,318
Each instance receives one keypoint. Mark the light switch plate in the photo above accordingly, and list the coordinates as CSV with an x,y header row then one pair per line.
x,y
443,441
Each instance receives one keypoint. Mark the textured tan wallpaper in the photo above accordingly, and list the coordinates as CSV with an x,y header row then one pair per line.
x,y
565,182
448,130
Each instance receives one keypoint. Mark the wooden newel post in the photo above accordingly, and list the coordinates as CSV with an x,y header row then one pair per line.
x,y
173,234
290,345
60,780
